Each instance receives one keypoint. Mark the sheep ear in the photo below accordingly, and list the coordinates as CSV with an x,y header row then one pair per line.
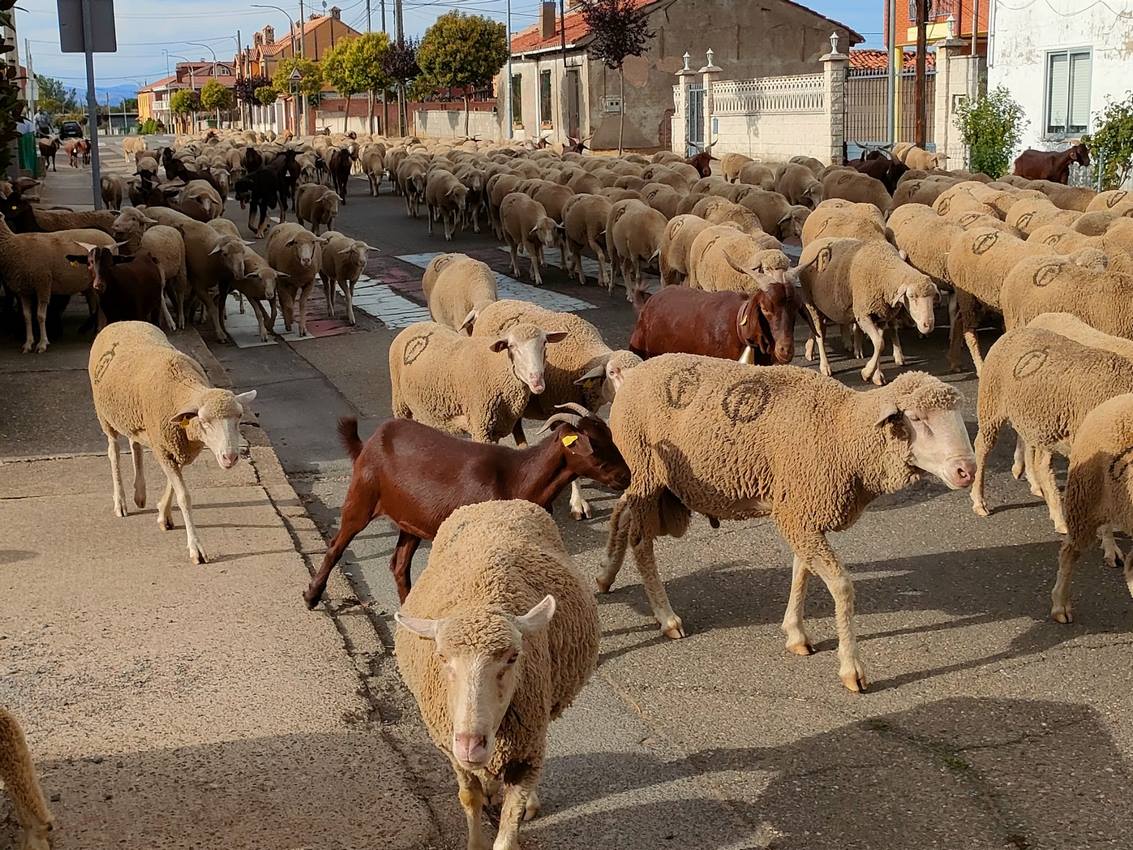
x,y
215,250
499,345
420,626
86,246
556,336
595,373
900,296
886,410
149,221
538,618
185,415
469,321
246,397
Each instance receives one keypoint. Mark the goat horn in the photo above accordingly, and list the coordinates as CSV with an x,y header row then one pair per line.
x,y
574,407
556,418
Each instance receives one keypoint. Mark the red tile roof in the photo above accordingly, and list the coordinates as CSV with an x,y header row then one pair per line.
x,y
199,80
159,84
531,39
878,60
309,26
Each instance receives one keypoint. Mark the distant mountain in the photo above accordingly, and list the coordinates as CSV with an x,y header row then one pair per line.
x,y
117,93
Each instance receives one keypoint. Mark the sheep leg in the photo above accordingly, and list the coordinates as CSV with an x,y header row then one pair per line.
x,y
471,795
139,474
287,308
214,314
600,253
820,558
820,338
579,507
986,436
1111,553
164,508
797,640
514,258
261,318
301,319
1032,476
328,294
615,547
29,327
872,370
41,317
898,353
955,332
1050,489
348,294
671,625
1061,608
115,471
535,254
17,771
517,798
430,214
196,552
1019,464
166,316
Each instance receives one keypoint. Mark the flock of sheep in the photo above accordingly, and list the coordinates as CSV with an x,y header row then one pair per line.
x,y
511,631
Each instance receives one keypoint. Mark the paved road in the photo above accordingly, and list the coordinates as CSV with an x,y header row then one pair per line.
x,y
987,725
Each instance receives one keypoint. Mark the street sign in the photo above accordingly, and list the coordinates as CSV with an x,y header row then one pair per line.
x,y
103,38
295,76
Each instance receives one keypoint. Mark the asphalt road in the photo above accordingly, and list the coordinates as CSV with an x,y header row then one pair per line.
x,y
986,725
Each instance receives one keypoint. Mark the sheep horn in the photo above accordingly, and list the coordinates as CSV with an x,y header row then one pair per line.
x,y
597,372
556,418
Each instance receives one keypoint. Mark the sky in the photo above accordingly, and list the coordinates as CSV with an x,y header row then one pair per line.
x,y
146,29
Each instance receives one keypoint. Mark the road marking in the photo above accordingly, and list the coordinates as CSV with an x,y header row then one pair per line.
x,y
386,305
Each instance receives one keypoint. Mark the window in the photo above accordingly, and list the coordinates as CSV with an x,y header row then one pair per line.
x,y
517,100
1067,92
545,99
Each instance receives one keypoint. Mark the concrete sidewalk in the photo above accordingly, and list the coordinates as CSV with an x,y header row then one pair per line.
x,y
169,705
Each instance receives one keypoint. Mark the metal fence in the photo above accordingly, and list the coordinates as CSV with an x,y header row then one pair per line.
x,y
867,108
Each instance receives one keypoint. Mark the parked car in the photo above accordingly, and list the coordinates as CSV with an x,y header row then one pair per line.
x,y
70,130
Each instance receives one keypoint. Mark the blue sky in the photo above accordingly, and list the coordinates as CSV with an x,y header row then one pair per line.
x,y
147,28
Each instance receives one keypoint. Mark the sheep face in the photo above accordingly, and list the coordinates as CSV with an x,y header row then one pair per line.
x,y
303,248
919,297
526,347
213,418
925,411
546,231
130,224
482,656
231,252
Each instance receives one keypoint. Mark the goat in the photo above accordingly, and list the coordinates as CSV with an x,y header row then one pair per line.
x,y
578,145
702,161
417,476
339,165
47,150
1051,165
286,171
758,328
132,294
880,167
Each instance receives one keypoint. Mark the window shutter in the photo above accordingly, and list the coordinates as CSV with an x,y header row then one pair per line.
x,y
1079,110
1058,92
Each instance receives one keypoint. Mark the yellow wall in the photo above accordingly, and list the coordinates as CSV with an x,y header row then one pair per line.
x,y
145,105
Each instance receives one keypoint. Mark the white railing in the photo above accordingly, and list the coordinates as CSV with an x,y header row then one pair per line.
x,y
799,93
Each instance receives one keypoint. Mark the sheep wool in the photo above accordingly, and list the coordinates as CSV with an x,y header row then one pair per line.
x,y
18,774
491,562
1080,283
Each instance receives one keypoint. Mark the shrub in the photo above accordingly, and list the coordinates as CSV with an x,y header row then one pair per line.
x,y
1111,147
992,127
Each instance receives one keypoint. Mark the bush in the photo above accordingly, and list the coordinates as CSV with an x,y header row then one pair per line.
x,y
147,127
267,95
992,127
1111,147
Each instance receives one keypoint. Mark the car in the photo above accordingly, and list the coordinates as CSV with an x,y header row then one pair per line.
x,y
70,130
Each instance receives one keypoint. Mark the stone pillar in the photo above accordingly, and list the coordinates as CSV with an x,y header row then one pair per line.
x,y
955,74
709,74
834,66
685,78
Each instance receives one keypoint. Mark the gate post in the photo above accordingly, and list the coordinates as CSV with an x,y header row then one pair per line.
x,y
685,78
710,74
953,77
834,66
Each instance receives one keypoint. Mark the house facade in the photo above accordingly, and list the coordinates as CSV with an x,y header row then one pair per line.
x,y
153,99
555,95
318,34
1061,60
946,19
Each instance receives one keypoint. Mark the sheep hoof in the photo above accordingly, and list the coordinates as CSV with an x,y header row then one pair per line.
x,y
140,500
802,648
532,807
197,554
165,523
980,509
673,628
1036,490
603,583
25,348
1118,561
854,681
1017,471
1062,614
119,510
41,348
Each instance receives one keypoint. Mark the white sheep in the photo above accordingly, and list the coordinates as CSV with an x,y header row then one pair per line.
x,y
445,201
297,253
633,237
510,637
317,205
717,437
457,288
449,381
343,261
525,224
147,390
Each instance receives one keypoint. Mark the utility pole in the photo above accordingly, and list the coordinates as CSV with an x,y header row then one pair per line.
x,y
920,132
302,32
367,15
385,29
510,86
33,86
240,71
402,114
92,104
891,83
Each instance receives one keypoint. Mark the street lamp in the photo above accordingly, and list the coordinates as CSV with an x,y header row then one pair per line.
x,y
192,85
213,52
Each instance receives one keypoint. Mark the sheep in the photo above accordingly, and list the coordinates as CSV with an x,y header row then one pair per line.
x,y
112,188
756,174
731,164
318,205
342,263
924,190
916,157
856,221
732,442
258,284
1115,201
445,200
297,253
1097,497
132,146
722,258
525,224
373,166
511,636
1043,381
810,162
662,198
778,217
1029,214
25,218
676,246
866,282
580,370
463,385
35,267
798,185
584,226
457,288
18,772
200,201
721,211
859,188
633,237
156,396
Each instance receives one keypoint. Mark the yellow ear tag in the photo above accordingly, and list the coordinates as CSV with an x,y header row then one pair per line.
x,y
184,423
570,440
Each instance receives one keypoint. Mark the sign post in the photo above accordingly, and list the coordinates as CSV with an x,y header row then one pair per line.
x,y
296,78
93,34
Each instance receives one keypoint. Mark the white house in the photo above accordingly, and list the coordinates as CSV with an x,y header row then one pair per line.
x,y
1061,60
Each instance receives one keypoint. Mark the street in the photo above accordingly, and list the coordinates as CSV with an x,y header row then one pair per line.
x,y
986,724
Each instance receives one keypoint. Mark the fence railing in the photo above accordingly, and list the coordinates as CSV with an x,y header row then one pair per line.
x,y
800,93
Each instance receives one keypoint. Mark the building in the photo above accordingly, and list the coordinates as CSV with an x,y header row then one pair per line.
x,y
153,99
1061,60
946,19
555,95
319,34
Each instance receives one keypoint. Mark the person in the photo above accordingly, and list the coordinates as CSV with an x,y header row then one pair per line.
x,y
42,124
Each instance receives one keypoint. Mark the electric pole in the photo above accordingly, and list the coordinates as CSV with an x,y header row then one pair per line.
x,y
402,113
920,130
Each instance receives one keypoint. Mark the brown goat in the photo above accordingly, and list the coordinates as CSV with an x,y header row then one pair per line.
x,y
417,476
1051,165
702,161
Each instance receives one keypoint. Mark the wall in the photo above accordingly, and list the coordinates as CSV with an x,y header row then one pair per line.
x,y
449,124
527,71
1020,42
791,119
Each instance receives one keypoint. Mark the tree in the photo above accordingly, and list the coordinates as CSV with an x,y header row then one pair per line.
x,y
266,95
463,52
312,76
54,97
1111,147
216,96
184,102
368,55
246,88
128,104
992,127
618,30
338,72
401,68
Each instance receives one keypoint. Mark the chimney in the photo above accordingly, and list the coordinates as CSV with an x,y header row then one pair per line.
x,y
257,39
269,34
336,13
548,19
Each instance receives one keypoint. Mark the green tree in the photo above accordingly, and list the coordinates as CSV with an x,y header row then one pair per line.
x,y
992,127
1111,147
312,76
367,57
128,104
401,68
463,52
54,97
184,103
267,95
618,31
214,95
